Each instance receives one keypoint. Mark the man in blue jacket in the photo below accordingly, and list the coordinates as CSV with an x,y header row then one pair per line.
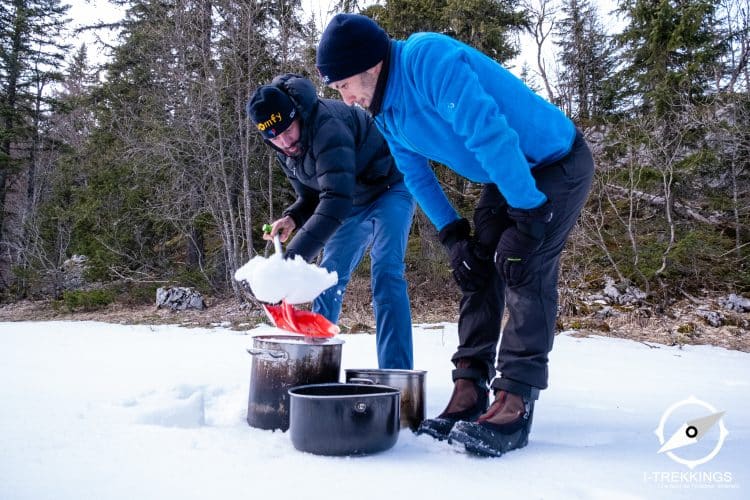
x,y
350,196
435,98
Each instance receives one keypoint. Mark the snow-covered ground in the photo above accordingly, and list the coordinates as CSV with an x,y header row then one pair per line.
x,y
99,411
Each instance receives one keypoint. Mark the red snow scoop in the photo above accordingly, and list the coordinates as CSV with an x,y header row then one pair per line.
x,y
286,317
310,324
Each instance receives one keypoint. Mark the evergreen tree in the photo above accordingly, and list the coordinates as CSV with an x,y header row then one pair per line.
x,y
115,226
31,56
587,61
671,47
172,152
488,25
50,225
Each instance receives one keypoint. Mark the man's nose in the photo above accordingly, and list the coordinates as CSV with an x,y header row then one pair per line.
x,y
347,98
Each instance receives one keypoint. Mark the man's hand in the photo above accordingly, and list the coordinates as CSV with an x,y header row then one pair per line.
x,y
284,227
519,242
469,269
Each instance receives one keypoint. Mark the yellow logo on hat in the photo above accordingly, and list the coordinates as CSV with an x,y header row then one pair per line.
x,y
273,120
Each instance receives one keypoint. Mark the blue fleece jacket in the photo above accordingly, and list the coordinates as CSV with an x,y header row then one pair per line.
x,y
448,102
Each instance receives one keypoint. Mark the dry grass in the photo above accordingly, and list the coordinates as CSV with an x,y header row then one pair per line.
x,y
432,302
681,327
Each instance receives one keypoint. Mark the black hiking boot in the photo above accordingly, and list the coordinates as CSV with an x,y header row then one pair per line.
x,y
504,427
468,401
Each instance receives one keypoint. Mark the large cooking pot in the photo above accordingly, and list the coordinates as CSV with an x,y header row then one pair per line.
x,y
284,361
344,419
410,383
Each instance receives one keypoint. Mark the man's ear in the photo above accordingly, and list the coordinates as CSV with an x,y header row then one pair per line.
x,y
375,70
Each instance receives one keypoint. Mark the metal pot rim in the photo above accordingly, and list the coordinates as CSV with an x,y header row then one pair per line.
x,y
296,339
384,391
385,371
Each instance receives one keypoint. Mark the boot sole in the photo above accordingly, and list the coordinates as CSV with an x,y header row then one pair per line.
x,y
482,442
434,432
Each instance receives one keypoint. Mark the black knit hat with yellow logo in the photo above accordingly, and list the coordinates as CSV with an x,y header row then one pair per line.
x,y
271,110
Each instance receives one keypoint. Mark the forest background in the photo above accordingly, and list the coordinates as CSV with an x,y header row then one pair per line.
x,y
140,170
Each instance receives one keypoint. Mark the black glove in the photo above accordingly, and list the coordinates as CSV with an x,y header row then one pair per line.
x,y
490,217
519,242
470,267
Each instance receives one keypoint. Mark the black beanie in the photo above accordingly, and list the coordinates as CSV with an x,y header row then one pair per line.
x,y
271,110
351,44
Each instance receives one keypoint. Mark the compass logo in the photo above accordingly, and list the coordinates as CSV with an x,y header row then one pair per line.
x,y
697,420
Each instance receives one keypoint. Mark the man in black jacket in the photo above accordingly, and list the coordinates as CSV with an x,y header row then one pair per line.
x,y
350,197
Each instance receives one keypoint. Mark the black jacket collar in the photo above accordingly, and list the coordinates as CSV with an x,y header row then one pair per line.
x,y
377,97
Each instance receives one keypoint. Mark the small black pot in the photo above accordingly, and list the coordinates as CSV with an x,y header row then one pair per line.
x,y
343,419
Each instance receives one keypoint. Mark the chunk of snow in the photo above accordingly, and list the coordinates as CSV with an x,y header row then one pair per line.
x,y
275,278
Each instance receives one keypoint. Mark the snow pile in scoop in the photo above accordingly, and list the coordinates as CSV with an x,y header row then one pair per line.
x,y
274,278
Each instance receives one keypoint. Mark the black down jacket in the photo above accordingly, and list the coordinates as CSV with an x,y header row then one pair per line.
x,y
344,162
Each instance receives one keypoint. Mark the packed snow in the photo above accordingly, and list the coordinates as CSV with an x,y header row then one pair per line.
x,y
274,278
100,411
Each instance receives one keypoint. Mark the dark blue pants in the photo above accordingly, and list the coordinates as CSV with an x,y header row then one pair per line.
x,y
532,304
384,226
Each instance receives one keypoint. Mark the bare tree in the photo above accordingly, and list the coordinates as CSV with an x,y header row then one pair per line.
x,y
542,14
727,121
734,16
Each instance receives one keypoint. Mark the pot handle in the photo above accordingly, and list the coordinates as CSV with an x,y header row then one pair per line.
x,y
358,380
268,354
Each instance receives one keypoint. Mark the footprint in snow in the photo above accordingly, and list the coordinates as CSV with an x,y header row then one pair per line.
x,y
183,406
